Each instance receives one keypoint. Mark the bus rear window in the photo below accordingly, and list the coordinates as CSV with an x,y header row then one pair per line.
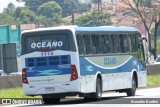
x,y
49,42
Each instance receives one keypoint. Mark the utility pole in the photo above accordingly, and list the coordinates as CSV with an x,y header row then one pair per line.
x,y
72,10
98,5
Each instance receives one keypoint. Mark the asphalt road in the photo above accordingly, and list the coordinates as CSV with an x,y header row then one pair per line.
x,y
144,98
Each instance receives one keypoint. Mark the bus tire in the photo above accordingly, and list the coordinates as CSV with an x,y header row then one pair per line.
x,y
132,91
51,100
98,94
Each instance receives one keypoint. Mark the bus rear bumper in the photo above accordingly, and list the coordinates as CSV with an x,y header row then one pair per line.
x,y
55,88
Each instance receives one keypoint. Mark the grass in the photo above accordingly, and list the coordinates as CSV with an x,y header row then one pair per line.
x,y
153,81
14,93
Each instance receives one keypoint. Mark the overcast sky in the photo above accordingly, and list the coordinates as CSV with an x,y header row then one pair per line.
x,y
4,3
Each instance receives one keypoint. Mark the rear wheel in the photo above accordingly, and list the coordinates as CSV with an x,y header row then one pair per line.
x,y
48,100
98,94
132,91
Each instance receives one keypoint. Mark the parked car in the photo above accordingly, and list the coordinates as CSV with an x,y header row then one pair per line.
x,y
2,73
157,61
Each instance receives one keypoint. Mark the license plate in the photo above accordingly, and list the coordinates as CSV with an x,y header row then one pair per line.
x,y
50,89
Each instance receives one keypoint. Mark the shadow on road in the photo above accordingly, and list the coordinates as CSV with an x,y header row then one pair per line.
x,y
72,101
104,100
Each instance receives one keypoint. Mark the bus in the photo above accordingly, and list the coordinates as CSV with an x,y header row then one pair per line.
x,y
85,61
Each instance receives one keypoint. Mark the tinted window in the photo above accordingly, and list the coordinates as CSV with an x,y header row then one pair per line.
x,y
49,42
124,43
96,44
134,43
106,44
115,44
140,48
88,44
81,44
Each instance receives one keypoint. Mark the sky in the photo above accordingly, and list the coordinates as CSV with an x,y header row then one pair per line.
x,y
4,3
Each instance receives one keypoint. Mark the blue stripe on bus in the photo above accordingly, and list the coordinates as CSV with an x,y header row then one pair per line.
x,y
88,68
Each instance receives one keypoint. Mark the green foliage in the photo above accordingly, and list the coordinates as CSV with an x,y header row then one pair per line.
x,y
153,80
94,19
47,22
6,19
50,9
9,9
50,14
24,15
14,93
158,46
66,21
65,4
158,31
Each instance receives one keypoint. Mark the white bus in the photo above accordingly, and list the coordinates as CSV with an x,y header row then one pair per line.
x,y
85,61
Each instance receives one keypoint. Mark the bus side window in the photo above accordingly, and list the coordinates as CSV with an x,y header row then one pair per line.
x,y
96,44
140,49
124,44
112,44
115,43
81,44
133,43
106,44
88,44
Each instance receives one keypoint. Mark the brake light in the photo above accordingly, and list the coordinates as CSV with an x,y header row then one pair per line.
x,y
24,77
74,74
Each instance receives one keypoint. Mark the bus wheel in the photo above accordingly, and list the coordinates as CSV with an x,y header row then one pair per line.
x,y
132,91
98,94
51,100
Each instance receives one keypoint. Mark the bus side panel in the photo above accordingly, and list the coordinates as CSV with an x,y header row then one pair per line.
x,y
116,71
142,79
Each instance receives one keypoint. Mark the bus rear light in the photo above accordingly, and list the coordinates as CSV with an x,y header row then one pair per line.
x,y
24,77
74,74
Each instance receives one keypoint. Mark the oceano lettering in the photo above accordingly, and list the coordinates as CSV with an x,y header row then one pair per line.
x,y
47,44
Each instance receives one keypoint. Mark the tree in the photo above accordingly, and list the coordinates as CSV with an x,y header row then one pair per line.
x,y
150,16
94,19
6,19
24,15
65,4
99,3
9,9
47,22
50,10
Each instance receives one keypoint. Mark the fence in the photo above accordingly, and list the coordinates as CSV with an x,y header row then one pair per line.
x,y
153,69
10,82
8,58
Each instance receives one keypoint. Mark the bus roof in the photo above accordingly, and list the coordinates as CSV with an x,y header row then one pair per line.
x,y
85,29
107,28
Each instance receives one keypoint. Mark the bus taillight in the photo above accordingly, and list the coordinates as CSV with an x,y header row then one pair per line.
x,y
74,74
24,77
